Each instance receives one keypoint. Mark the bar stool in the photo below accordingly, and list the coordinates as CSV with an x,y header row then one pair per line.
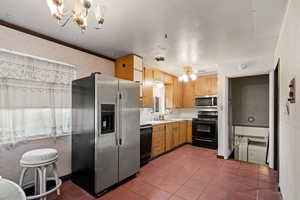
x,y
10,190
39,160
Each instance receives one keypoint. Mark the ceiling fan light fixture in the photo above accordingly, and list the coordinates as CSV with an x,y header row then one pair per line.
x,y
188,75
185,78
193,77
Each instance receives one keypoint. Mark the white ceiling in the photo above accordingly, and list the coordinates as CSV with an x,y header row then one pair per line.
x,y
201,33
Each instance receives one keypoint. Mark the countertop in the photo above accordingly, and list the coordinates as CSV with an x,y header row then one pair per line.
x,y
157,122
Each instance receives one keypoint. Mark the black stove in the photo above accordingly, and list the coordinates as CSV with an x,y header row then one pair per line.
x,y
205,129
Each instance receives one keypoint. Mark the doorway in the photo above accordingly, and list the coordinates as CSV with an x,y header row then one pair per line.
x,y
276,116
248,107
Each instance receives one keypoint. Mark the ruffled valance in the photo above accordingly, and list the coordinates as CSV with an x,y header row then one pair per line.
x,y
25,67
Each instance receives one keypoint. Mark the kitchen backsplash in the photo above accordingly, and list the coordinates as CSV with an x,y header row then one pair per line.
x,y
184,113
146,114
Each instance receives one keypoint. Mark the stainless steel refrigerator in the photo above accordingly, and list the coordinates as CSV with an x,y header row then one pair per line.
x,y
106,131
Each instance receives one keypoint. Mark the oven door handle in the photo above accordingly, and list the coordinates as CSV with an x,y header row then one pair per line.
x,y
204,140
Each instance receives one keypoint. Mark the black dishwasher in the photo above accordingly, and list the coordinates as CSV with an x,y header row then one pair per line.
x,y
146,143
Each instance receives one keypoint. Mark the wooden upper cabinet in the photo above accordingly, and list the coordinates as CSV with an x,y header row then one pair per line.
x,y
124,68
201,86
148,87
213,83
178,94
206,85
168,79
162,77
137,63
169,96
158,75
188,92
130,68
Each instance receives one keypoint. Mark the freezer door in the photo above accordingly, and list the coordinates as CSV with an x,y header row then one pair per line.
x,y
106,149
129,132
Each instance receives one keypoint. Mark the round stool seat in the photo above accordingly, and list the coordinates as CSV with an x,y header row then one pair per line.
x,y
39,156
10,191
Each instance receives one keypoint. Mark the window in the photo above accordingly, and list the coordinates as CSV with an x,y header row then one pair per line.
x,y
35,97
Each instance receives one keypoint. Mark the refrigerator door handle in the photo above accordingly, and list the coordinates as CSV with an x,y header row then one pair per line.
x,y
117,119
120,117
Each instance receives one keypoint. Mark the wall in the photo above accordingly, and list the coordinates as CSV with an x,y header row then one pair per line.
x,y
288,48
250,98
85,64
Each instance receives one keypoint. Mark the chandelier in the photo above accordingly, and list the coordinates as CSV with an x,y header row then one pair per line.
x,y
188,75
78,15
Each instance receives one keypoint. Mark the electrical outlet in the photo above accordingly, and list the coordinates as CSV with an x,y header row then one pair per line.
x,y
292,91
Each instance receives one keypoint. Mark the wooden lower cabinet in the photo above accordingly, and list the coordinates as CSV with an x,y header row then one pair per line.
x,y
158,140
172,135
183,132
166,137
189,131
176,134
169,136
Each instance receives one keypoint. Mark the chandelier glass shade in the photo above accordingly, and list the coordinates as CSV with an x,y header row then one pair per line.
x,y
188,75
79,14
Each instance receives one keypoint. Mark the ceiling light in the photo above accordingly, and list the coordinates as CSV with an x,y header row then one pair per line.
x,y
188,75
159,59
78,15
243,67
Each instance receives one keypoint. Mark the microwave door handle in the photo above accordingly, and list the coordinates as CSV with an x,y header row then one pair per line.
x,y
213,101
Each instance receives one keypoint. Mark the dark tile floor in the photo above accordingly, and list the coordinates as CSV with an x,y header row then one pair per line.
x,y
190,173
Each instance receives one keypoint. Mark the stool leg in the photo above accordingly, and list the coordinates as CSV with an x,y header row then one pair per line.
x,y
56,177
40,175
36,182
23,172
44,171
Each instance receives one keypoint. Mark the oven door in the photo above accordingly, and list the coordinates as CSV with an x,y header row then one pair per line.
x,y
204,129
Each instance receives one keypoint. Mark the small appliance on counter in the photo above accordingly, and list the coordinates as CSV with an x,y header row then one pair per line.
x,y
205,129
105,131
146,143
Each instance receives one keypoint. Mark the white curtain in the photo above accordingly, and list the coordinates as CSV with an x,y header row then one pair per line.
x,y
35,97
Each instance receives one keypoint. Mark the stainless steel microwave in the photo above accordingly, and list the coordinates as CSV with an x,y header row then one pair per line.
x,y
206,101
